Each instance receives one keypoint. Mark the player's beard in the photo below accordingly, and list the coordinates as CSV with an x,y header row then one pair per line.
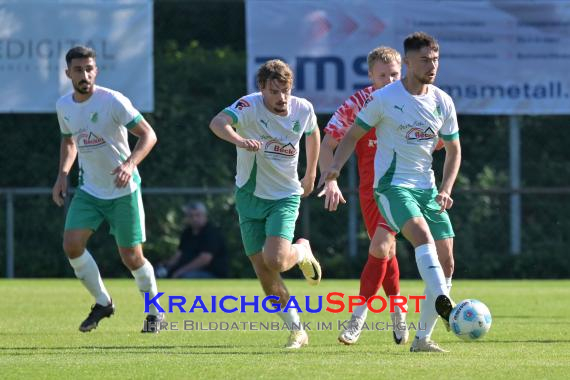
x,y
280,108
426,79
81,89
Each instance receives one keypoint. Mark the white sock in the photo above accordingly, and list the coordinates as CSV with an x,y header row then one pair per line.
x,y
361,311
301,252
87,272
430,269
146,282
448,283
428,316
291,318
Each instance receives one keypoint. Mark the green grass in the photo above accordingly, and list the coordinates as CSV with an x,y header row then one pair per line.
x,y
39,337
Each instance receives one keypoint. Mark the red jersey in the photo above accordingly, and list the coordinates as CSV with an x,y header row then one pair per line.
x,y
365,149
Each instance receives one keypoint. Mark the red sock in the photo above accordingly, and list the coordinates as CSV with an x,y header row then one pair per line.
x,y
391,281
372,276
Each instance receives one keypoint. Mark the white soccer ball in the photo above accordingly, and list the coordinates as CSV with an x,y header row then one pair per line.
x,y
470,320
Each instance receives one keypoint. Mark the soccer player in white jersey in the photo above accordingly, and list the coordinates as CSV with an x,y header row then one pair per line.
x,y
381,268
410,116
266,128
94,123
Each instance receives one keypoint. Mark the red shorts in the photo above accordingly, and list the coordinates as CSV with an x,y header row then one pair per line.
x,y
371,214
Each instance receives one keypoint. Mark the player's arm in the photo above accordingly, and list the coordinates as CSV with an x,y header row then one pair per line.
x,y
328,146
67,155
332,193
145,142
221,125
312,148
450,170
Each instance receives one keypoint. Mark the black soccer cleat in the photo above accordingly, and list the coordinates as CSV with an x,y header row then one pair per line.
x,y
152,323
97,313
444,306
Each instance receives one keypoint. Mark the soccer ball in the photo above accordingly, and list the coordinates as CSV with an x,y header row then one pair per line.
x,y
470,320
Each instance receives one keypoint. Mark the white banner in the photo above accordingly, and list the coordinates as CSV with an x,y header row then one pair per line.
x,y
36,34
496,56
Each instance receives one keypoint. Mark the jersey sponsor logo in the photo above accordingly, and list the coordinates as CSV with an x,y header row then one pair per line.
x,y
277,150
241,104
89,140
417,135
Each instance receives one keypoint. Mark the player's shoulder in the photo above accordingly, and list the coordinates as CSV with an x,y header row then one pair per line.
x,y
440,94
64,100
301,104
108,93
360,97
248,102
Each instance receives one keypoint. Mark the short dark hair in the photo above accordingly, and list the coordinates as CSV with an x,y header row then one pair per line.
x,y
274,69
195,206
418,40
79,52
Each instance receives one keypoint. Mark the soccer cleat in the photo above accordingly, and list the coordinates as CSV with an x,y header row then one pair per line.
x,y
425,345
297,339
97,313
443,306
310,266
352,332
400,331
152,323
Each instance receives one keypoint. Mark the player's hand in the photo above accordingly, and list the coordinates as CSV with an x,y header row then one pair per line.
x,y
329,175
123,173
333,195
250,145
308,185
444,200
59,191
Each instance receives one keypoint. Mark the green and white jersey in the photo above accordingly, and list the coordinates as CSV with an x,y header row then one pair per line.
x,y
271,172
407,131
99,129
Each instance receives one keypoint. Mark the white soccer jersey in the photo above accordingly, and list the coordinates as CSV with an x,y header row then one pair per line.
x,y
99,128
271,171
407,130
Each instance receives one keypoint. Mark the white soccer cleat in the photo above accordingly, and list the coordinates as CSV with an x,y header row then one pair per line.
x,y
297,339
425,345
352,332
309,266
400,331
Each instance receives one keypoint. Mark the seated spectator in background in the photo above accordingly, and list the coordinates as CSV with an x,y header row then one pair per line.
x,y
201,252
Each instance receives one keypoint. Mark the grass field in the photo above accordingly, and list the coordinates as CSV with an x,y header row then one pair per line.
x,y
529,338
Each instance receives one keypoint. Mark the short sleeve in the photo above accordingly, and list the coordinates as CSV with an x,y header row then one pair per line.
x,y
450,129
63,128
237,110
371,113
312,123
123,111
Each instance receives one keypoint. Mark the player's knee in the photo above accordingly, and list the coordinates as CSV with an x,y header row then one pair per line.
x,y
132,260
380,249
275,263
73,248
